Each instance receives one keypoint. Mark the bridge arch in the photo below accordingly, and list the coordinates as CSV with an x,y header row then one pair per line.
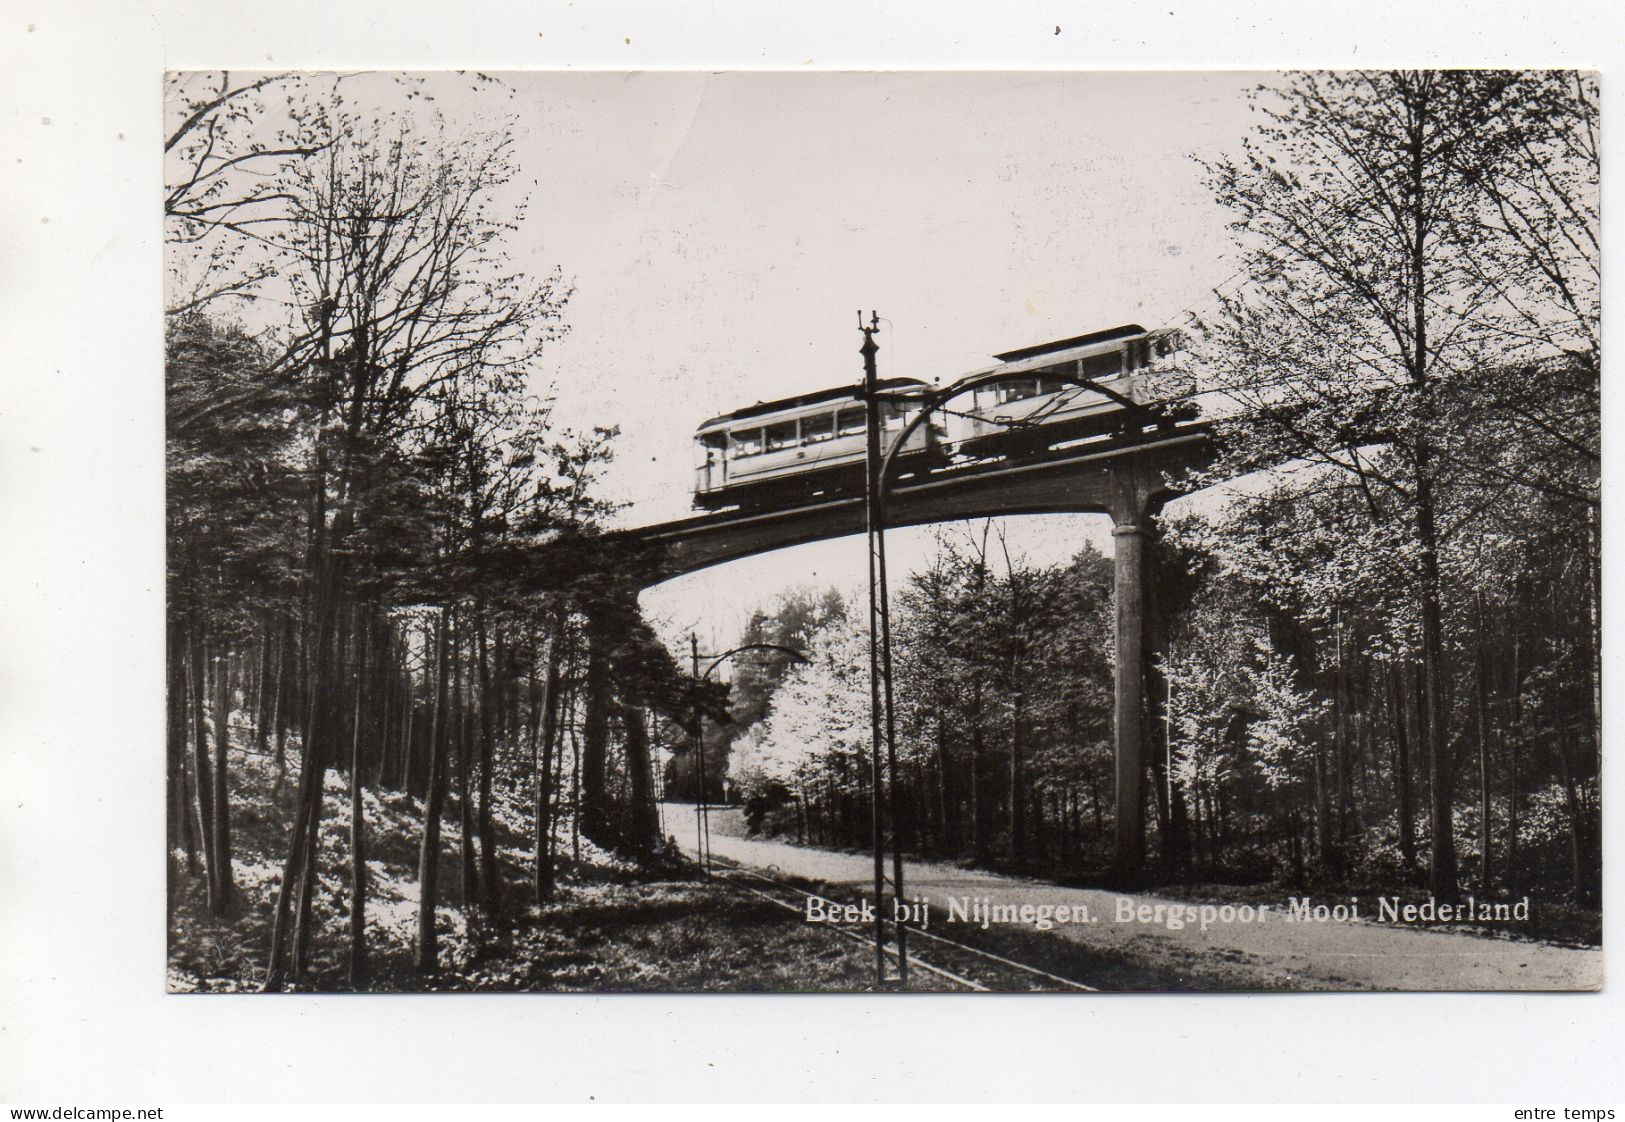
x,y
1127,481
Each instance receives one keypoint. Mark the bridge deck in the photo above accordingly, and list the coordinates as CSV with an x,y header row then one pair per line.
x,y
1090,479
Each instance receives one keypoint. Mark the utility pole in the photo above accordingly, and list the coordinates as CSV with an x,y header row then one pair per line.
x,y
882,723
702,809
701,824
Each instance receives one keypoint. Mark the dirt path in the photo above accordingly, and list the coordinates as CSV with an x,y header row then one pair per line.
x,y
1271,950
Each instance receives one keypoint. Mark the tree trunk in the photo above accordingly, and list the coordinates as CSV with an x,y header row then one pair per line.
x,y
307,817
642,826
220,842
358,827
981,795
593,811
1481,707
279,702
575,794
468,888
490,878
180,802
434,802
1442,857
381,689
1342,758
545,781
406,780
304,918
1324,845
1565,762
1594,622
203,768
261,702
1571,801
1402,768
1018,801
1515,741
321,752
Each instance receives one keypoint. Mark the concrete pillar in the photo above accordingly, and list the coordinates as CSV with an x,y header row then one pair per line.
x,y
1129,540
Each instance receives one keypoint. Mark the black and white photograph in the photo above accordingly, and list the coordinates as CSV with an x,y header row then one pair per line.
x,y
739,532
900,556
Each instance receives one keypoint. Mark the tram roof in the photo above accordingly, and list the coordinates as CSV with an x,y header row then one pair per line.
x,y
839,393
1108,335
1031,360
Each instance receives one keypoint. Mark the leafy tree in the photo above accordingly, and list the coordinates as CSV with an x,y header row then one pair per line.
x,y
1004,687
1366,209
231,494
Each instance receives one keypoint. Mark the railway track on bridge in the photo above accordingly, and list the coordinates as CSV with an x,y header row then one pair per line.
x,y
965,967
1188,439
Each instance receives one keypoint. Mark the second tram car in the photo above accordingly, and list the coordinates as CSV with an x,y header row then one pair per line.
x,y
1035,408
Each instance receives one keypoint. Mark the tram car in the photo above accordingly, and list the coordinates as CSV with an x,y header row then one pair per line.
x,y
813,446
808,446
1036,408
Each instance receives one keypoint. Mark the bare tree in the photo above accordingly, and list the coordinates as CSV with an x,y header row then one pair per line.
x,y
223,191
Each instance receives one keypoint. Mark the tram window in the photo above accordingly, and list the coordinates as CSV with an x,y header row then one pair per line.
x,y
712,446
815,429
780,436
1050,385
747,442
1108,365
850,422
1016,389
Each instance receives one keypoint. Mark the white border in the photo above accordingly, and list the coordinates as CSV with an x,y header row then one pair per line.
x,y
83,1016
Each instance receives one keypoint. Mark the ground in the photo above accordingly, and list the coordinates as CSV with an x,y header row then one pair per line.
x,y
615,926
1276,954
611,926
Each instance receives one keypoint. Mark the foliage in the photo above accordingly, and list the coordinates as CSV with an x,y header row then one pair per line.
x,y
993,669
1411,357
379,541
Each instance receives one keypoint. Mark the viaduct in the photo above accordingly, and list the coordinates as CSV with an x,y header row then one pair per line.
x,y
1126,478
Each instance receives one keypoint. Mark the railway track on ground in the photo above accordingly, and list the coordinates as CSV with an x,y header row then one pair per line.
x,y
961,965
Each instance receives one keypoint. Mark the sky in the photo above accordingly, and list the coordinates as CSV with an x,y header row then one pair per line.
x,y
722,231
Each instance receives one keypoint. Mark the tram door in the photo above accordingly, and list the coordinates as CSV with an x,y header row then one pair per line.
x,y
711,470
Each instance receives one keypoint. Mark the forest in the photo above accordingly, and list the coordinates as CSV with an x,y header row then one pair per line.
x,y
1375,653
1003,676
359,494
391,581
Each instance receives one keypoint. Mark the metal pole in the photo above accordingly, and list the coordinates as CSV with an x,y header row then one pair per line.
x,y
882,723
899,921
699,761
872,522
